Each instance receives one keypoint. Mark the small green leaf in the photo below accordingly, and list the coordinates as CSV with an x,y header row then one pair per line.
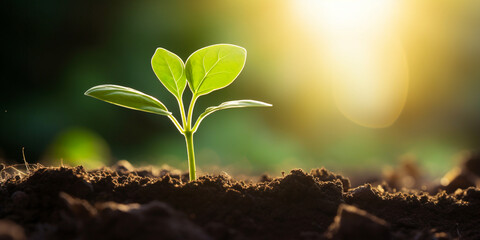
x,y
231,104
214,67
170,71
128,98
236,104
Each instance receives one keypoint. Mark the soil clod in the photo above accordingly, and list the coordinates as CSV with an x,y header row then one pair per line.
x,y
354,223
11,231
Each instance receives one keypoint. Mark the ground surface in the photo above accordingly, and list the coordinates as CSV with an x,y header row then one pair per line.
x,y
126,203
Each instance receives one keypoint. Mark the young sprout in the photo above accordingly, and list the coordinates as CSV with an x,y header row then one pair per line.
x,y
206,70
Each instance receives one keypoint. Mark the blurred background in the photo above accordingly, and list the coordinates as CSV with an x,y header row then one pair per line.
x,y
356,85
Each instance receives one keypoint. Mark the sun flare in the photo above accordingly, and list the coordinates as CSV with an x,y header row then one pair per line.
x,y
366,60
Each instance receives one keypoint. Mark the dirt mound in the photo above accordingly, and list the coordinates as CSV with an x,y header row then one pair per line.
x,y
120,203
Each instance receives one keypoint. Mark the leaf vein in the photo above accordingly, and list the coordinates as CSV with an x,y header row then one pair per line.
x,y
213,66
171,72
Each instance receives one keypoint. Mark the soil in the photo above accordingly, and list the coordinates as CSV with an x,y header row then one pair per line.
x,y
122,202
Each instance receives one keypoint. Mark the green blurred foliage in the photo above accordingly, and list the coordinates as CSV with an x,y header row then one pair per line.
x,y
77,146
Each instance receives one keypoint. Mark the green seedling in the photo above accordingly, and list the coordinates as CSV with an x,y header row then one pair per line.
x,y
206,70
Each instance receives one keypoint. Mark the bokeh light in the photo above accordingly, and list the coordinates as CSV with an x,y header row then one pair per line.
x,y
366,59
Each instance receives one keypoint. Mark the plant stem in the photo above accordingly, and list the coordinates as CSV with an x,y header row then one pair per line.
x,y
191,155
188,133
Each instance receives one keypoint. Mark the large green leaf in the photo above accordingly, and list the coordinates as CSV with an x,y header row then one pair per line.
x,y
214,67
170,71
231,104
128,98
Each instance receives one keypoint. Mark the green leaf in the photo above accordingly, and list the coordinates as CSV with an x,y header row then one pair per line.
x,y
231,104
170,71
128,98
214,67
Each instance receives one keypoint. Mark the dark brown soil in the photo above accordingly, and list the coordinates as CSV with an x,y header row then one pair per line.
x,y
124,203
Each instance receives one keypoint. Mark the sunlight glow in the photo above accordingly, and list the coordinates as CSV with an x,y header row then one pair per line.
x,y
367,63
